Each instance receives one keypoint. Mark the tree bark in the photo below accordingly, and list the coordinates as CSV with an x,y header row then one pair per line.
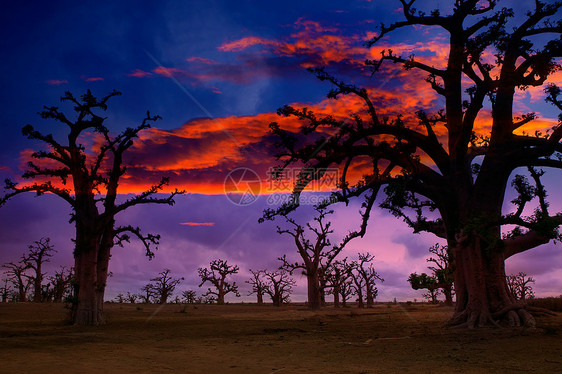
x,y
482,293
314,291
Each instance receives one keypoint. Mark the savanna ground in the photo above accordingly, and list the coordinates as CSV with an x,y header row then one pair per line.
x,y
264,339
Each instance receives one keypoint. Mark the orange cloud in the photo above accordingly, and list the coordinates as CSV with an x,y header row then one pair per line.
x,y
197,223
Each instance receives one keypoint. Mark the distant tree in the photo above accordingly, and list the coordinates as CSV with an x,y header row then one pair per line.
x,y
364,267
16,274
427,282
338,281
445,168
120,298
164,285
216,275
94,178
189,296
131,297
4,291
520,286
443,270
147,293
279,286
258,285
62,283
316,254
38,254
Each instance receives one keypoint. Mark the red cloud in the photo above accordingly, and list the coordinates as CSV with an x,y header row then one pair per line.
x,y
93,79
197,223
137,73
56,82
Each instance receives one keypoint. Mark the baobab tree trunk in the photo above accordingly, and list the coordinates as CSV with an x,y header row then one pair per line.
x,y
481,288
314,290
91,260
220,297
336,296
260,297
448,292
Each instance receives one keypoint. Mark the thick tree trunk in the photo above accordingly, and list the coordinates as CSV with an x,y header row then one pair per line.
x,y
260,297
448,292
336,296
88,309
481,289
220,298
314,291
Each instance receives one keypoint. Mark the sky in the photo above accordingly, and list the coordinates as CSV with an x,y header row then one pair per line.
x,y
216,72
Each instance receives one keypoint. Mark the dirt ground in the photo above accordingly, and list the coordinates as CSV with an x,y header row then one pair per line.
x,y
264,339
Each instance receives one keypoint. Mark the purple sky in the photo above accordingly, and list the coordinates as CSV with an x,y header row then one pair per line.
x,y
216,72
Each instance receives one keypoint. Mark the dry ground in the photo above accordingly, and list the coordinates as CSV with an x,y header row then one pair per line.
x,y
252,339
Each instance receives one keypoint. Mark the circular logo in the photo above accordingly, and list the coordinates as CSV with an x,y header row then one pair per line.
x,y
242,186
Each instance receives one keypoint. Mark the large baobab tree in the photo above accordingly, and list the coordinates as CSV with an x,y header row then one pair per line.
x,y
88,180
163,286
444,170
216,275
39,252
316,254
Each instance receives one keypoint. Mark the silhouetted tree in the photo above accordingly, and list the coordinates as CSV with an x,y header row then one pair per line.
x,y
441,172
16,274
258,285
427,282
189,296
219,270
94,178
147,293
4,291
520,286
131,297
279,286
38,254
120,298
164,285
316,255
62,283
443,270
364,267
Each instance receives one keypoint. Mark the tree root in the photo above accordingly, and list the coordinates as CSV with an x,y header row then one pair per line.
x,y
515,315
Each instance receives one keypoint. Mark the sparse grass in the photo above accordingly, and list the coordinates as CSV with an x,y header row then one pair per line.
x,y
265,339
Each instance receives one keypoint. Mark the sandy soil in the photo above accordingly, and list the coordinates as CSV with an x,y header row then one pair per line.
x,y
252,339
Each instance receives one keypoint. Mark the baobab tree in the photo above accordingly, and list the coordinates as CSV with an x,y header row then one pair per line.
x,y
364,268
88,180
337,275
62,283
279,286
216,275
4,291
443,271
258,285
520,286
163,286
147,293
443,171
316,254
189,296
15,272
38,253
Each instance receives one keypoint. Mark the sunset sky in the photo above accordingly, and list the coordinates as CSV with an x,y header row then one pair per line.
x,y
216,72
